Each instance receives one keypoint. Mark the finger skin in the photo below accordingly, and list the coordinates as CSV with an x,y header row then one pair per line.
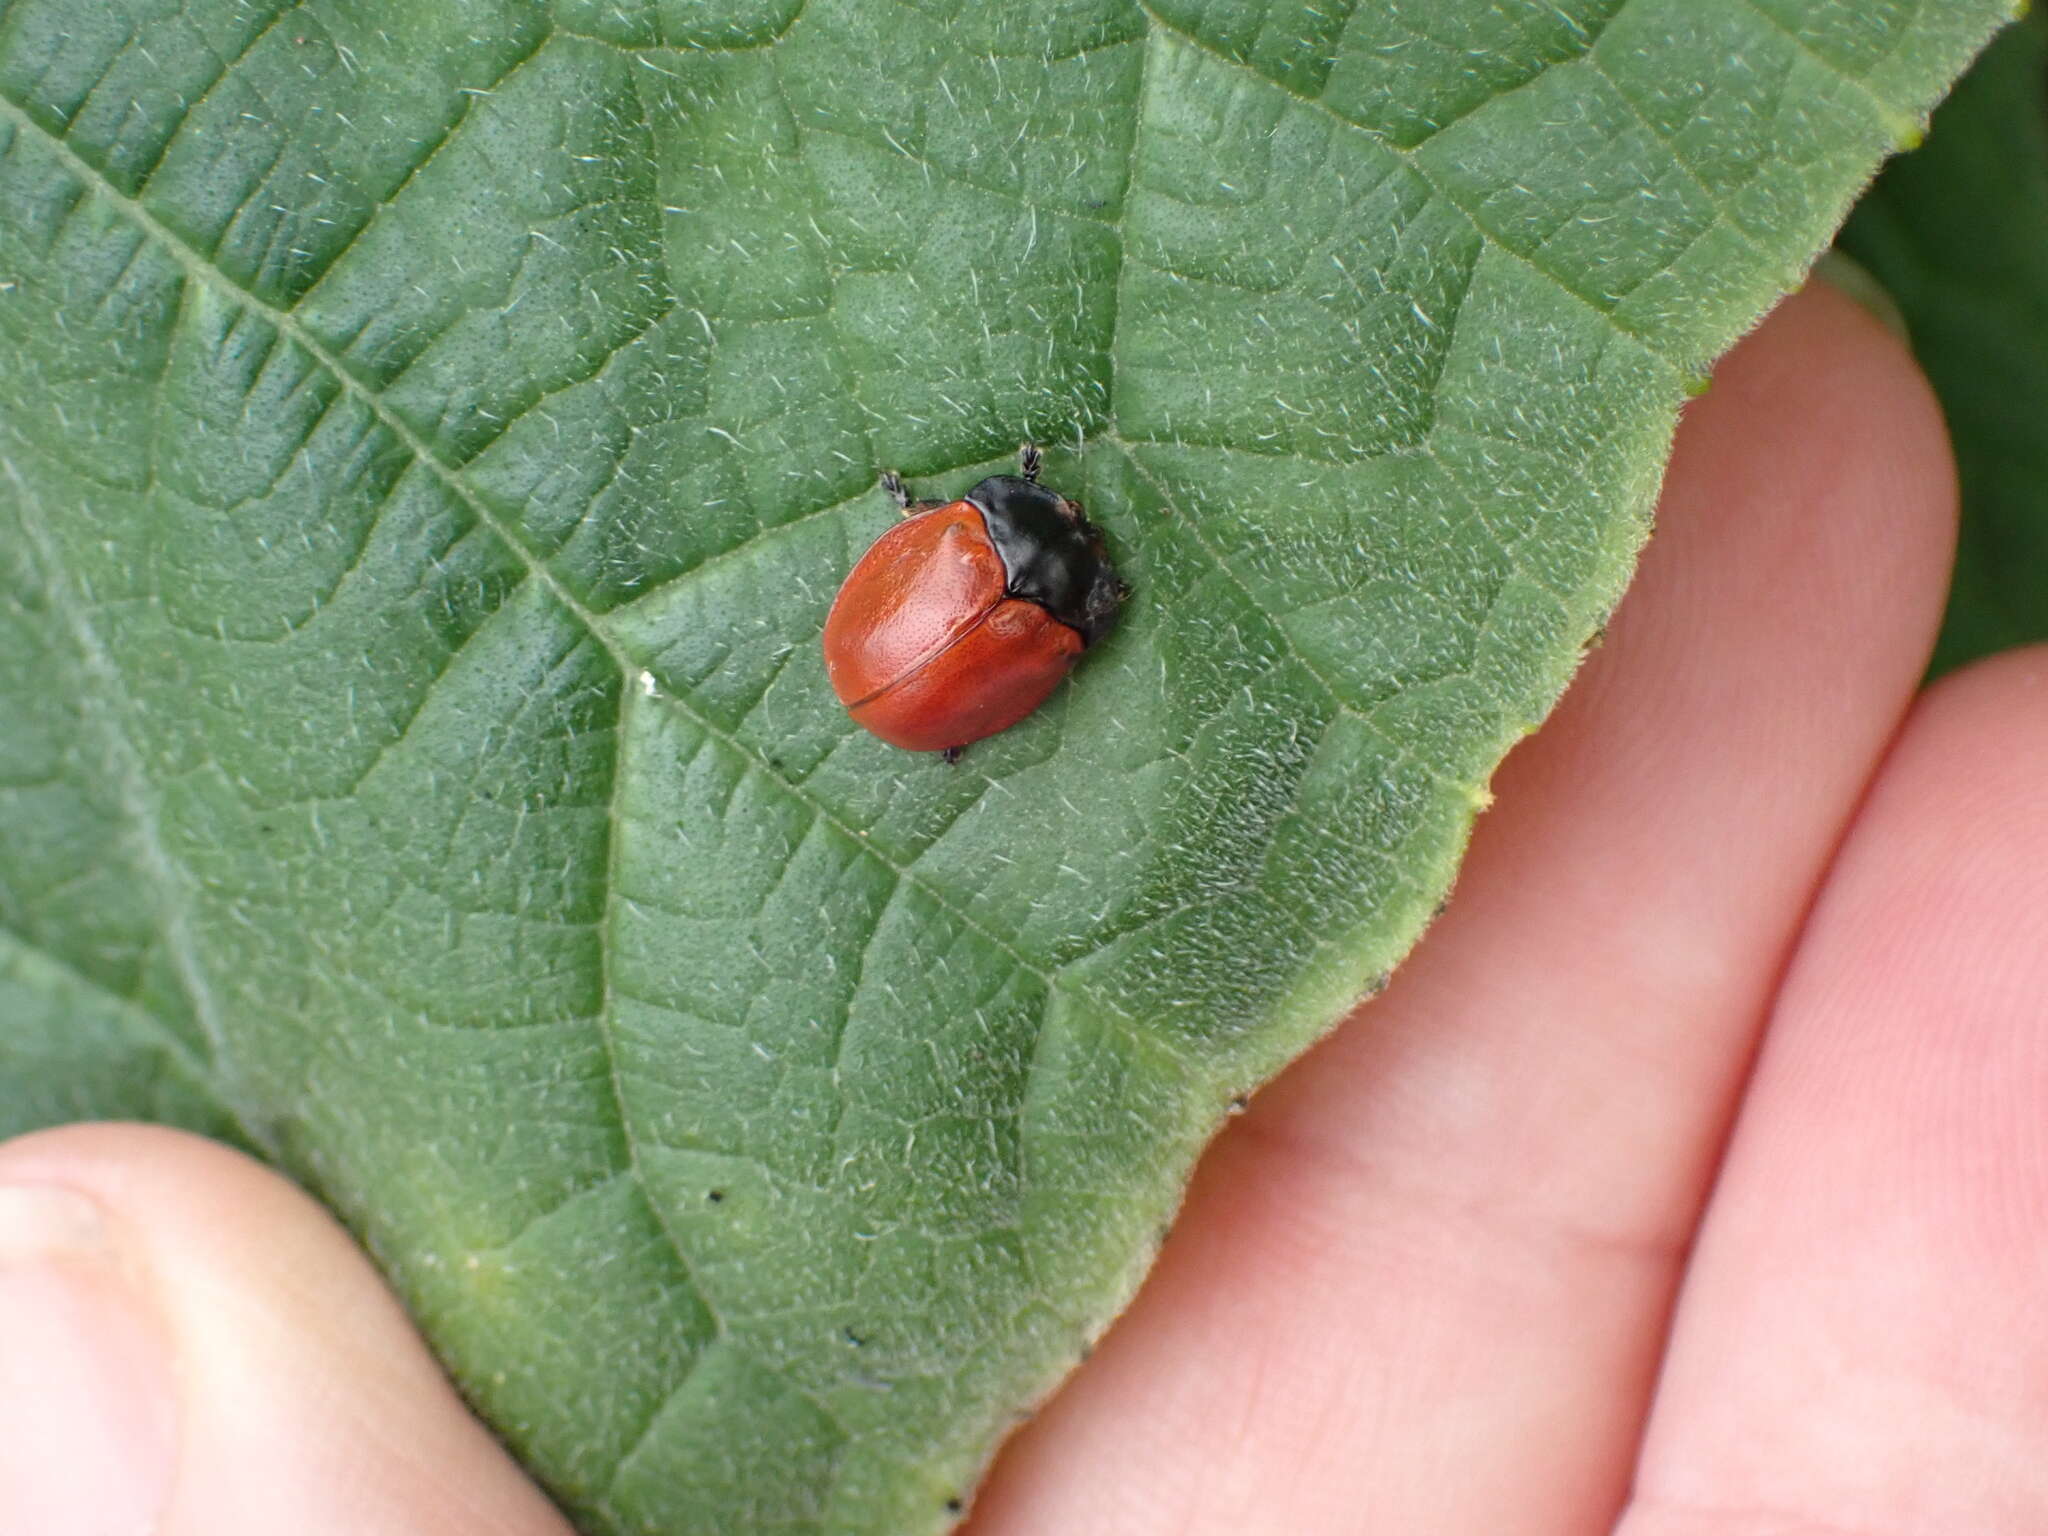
x,y
1863,1341
306,1401
1422,1285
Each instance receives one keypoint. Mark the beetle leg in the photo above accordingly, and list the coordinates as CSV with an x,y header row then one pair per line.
x,y
894,489
1028,461
950,755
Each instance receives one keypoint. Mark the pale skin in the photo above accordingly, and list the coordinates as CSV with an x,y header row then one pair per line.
x,y
1689,1180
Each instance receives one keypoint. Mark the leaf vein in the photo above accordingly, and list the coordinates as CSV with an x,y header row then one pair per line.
x,y
1900,124
129,782
1492,237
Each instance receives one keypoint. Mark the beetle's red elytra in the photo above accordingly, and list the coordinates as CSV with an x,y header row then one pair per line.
x,y
962,619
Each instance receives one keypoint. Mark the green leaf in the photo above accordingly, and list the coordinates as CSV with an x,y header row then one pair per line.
x,y
430,436
1957,232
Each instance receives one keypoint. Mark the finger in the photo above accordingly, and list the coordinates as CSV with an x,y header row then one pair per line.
x,y
189,1346
1862,1343
1422,1284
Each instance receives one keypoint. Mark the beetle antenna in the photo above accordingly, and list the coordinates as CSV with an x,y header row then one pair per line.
x,y
1028,461
893,488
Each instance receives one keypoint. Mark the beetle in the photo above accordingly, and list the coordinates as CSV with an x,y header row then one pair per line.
x,y
962,619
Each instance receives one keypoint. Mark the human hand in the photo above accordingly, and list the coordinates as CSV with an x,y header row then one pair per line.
x,y
1690,1178
1485,1260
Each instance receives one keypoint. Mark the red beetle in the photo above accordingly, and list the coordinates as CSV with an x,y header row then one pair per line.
x,y
960,620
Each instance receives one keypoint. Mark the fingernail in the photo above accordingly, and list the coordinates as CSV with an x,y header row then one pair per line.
x,y
88,1403
1843,272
